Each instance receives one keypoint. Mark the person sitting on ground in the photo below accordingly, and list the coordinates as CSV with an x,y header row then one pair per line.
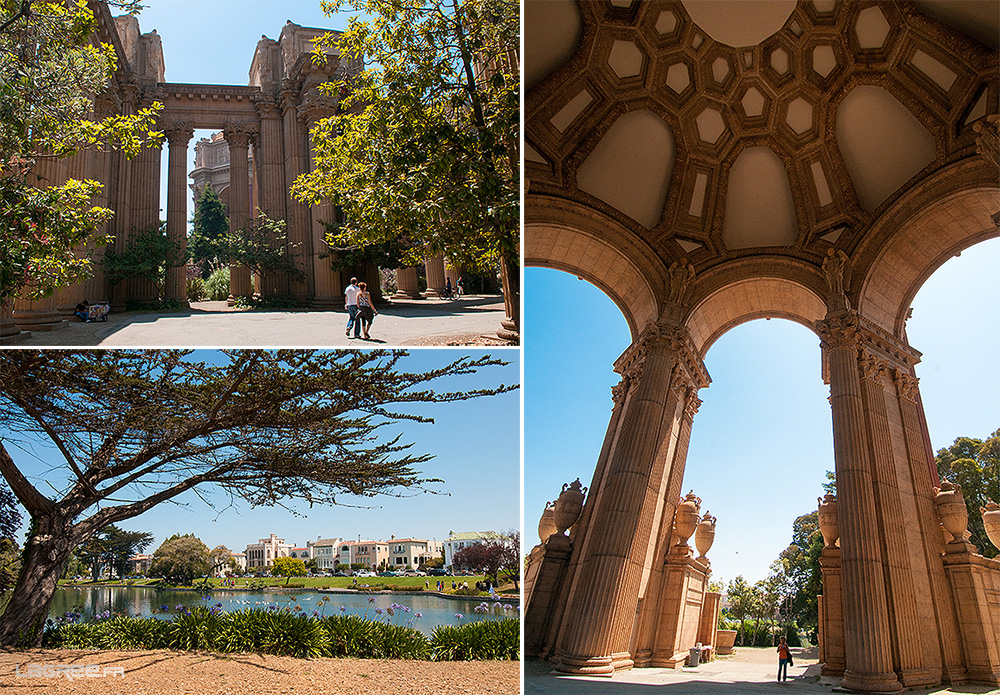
x,y
83,310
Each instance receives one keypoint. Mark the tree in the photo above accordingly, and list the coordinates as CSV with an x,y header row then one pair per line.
x,y
510,556
110,548
262,247
136,429
311,564
743,601
206,243
10,521
146,257
423,147
288,567
220,558
975,465
180,559
493,558
50,72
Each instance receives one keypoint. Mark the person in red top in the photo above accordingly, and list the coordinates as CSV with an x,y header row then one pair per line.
x,y
784,656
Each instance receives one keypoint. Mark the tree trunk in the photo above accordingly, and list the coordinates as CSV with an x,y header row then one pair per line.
x,y
45,556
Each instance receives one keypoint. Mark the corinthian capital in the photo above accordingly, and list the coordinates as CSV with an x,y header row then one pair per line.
x,y
178,133
906,385
239,134
872,368
839,330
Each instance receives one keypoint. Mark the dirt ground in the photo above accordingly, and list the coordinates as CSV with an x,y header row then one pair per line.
x,y
160,672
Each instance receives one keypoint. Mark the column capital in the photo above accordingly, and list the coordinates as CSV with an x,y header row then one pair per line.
x,y
178,133
267,106
839,330
872,368
906,384
315,107
239,134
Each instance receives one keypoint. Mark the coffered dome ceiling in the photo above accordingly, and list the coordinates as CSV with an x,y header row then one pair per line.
x,y
715,129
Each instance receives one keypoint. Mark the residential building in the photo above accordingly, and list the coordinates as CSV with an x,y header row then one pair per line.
x,y
458,541
264,552
241,561
139,564
411,552
325,551
300,553
375,554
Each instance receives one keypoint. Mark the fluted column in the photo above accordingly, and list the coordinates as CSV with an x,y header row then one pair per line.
x,y
326,281
178,135
435,276
407,284
121,196
68,296
238,136
297,215
269,157
510,275
9,331
601,611
868,659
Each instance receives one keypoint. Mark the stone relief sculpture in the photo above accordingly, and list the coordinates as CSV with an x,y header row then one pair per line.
x,y
680,276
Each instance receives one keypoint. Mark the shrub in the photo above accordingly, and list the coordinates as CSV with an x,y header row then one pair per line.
x,y
217,285
195,289
487,639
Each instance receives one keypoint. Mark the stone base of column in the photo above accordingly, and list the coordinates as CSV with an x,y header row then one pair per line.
x,y
543,578
326,304
975,586
918,678
39,320
509,331
405,294
871,682
9,332
433,293
585,666
831,628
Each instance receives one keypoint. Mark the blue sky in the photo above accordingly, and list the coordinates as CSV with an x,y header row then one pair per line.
x,y
213,41
476,450
762,440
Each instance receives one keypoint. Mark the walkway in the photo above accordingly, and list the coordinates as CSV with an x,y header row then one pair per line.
x,y
467,321
751,671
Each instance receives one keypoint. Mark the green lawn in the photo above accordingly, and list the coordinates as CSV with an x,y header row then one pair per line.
x,y
315,582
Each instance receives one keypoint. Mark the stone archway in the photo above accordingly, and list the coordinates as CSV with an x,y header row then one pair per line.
x,y
786,196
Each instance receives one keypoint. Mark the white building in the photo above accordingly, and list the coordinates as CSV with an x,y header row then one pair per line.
x,y
264,552
241,561
325,552
458,541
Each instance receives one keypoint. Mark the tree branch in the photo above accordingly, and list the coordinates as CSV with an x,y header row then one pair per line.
x,y
34,501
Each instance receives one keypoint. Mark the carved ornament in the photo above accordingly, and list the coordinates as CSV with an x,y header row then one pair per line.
x,y
178,133
906,385
840,330
239,134
871,367
679,277
988,138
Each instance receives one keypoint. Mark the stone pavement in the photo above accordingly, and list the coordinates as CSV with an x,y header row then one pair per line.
x,y
212,324
719,677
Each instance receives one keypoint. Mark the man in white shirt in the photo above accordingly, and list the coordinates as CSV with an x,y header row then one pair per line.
x,y
351,294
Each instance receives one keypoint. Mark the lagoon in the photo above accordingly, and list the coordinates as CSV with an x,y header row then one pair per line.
x,y
145,601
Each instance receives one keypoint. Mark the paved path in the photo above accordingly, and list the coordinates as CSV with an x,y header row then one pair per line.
x,y
719,677
212,324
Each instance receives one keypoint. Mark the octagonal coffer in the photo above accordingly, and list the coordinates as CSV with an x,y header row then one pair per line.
x,y
753,102
824,60
678,77
625,59
799,116
871,28
666,23
720,69
711,125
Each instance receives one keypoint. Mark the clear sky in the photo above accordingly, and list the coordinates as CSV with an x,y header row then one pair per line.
x,y
213,41
762,440
476,450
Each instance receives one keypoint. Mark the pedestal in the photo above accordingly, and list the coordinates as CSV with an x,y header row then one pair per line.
x,y
681,600
831,618
546,567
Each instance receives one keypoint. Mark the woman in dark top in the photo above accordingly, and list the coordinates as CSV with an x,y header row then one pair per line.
x,y
366,309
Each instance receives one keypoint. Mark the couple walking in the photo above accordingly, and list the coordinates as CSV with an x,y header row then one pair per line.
x,y
360,307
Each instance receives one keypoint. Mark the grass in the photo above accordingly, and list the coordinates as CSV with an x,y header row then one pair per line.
x,y
309,582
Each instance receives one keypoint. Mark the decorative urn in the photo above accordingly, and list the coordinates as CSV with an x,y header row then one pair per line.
x,y
951,508
686,518
704,535
829,525
991,520
568,506
547,524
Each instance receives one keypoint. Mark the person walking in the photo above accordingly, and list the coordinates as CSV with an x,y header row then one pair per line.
x,y
461,286
351,296
366,309
784,658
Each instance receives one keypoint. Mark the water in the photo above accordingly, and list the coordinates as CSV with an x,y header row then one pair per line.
x,y
144,601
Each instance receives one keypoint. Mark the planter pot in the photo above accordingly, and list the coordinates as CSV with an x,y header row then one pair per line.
x,y
686,518
704,535
991,520
829,525
568,506
951,508
724,641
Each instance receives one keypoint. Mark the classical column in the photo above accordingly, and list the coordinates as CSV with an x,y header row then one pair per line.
x,y
407,284
9,332
297,214
269,159
238,136
68,296
326,281
435,276
867,636
145,207
600,615
510,275
178,135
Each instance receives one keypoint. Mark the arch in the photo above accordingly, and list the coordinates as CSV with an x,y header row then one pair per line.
x,y
918,236
748,299
565,236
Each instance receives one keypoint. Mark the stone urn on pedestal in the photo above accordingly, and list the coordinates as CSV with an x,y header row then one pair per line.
x,y
991,520
547,524
567,508
704,536
686,519
829,525
951,509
